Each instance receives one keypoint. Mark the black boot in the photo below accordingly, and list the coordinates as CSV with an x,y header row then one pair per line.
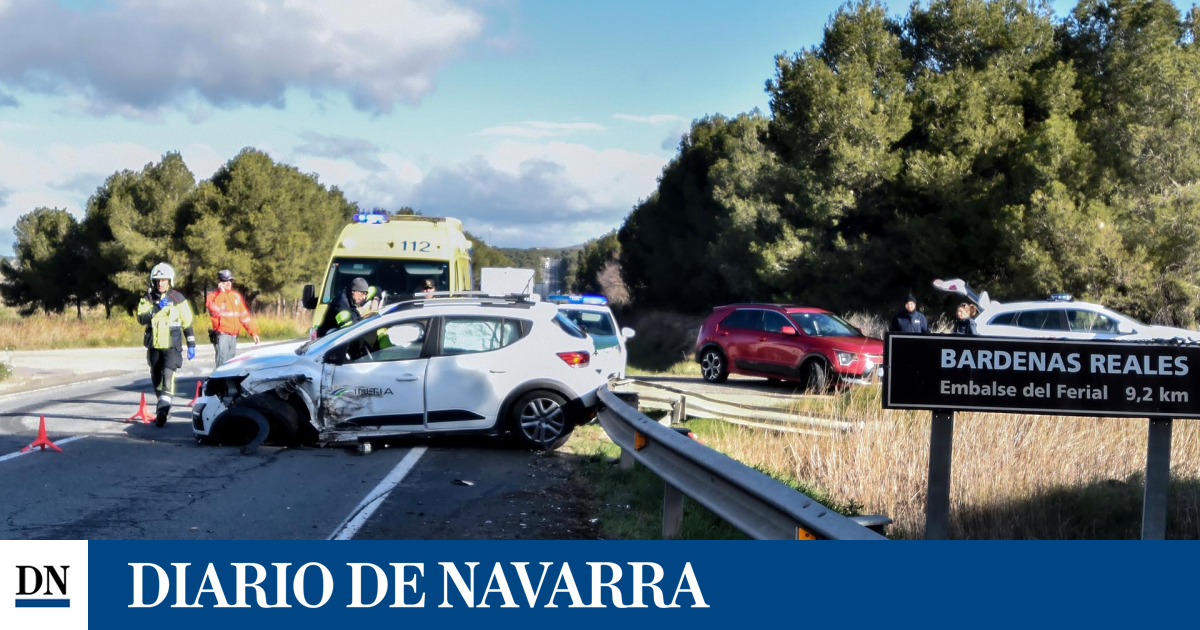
x,y
160,418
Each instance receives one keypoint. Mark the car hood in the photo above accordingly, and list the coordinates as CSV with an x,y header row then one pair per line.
x,y
261,359
861,345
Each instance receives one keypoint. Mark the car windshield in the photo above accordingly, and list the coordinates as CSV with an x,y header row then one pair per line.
x,y
824,325
319,345
395,277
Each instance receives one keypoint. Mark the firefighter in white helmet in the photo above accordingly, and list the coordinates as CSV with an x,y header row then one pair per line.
x,y
168,320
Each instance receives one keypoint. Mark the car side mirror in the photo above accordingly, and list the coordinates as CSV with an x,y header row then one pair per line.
x,y
628,333
1125,329
309,300
335,356
788,330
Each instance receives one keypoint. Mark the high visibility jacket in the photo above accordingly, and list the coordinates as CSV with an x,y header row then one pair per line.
x,y
166,328
343,312
229,313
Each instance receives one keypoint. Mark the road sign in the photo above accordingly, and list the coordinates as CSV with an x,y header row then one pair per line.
x,y
1044,376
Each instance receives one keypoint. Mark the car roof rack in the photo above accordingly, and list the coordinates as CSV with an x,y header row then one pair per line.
x,y
482,298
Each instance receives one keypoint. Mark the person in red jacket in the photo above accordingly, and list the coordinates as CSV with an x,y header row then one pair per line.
x,y
229,314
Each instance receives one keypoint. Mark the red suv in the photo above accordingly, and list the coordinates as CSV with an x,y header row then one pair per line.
x,y
795,343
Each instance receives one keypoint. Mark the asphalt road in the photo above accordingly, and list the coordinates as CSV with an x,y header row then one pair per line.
x,y
118,480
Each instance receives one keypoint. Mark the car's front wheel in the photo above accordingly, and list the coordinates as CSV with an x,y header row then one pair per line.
x,y
540,420
713,366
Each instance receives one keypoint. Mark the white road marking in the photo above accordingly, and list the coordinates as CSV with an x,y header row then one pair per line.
x,y
58,442
374,499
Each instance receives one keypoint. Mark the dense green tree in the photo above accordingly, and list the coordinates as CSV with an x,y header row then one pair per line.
x,y
272,225
43,274
131,225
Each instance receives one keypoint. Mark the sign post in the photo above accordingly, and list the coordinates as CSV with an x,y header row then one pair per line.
x,y
937,497
947,373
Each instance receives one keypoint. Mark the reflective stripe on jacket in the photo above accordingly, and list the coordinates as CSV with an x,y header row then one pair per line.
x,y
166,328
229,313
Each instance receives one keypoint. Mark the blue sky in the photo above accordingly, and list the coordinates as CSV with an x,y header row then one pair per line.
x,y
538,122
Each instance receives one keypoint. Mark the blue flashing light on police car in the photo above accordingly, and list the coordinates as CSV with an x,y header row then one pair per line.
x,y
1062,297
595,300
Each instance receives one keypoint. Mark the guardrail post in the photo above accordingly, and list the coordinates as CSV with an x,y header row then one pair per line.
x,y
672,512
626,460
937,497
1158,480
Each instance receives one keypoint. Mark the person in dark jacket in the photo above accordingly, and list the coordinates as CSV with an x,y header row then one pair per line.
x,y
910,320
965,322
343,311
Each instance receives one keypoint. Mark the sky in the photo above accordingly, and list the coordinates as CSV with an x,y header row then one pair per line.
x,y
536,122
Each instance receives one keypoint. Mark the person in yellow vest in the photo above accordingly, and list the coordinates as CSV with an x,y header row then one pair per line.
x,y
168,320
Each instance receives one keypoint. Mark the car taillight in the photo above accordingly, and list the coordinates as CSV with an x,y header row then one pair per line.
x,y
575,359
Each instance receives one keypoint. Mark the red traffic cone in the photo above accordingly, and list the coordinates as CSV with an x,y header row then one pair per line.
x,y
142,413
199,384
42,440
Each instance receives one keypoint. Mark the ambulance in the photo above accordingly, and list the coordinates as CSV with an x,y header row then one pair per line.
x,y
396,254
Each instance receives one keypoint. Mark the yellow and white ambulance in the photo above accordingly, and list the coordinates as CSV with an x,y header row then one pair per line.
x,y
396,254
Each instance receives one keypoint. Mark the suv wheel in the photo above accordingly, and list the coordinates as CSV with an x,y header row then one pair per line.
x,y
540,420
713,367
816,377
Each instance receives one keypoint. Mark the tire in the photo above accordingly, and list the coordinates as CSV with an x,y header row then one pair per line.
x,y
540,420
816,377
284,419
713,365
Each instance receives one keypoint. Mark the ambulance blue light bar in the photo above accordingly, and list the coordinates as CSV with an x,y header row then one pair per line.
x,y
594,300
371,218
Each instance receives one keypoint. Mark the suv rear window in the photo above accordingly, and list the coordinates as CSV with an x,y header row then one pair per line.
x,y
568,326
1042,320
746,319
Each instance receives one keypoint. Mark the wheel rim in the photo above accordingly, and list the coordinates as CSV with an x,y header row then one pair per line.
x,y
710,366
542,420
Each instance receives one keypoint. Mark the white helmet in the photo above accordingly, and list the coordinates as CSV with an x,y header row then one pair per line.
x,y
162,271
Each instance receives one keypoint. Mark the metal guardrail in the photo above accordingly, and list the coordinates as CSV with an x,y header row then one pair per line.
x,y
759,506
683,403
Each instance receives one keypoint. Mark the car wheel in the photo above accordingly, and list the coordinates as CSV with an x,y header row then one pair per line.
x,y
816,378
713,366
285,421
540,420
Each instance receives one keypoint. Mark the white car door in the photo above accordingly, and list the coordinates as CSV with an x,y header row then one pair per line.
x,y
477,363
377,382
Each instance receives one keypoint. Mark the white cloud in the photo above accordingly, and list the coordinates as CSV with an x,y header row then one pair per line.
x,y
656,119
537,130
134,57
64,176
525,194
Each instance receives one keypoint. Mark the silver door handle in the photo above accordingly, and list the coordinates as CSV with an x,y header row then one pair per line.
x,y
498,371
407,378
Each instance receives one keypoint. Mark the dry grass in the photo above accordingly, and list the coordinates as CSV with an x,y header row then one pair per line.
x,y
1013,476
47,332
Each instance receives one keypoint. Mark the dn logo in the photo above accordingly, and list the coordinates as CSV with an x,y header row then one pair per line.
x,y
30,581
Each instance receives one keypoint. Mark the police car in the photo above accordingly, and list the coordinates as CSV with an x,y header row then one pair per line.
x,y
446,363
592,315
1059,316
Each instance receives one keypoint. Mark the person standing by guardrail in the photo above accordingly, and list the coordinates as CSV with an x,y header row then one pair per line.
x,y
910,320
229,315
168,320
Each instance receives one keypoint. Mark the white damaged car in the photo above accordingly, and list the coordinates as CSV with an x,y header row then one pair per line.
x,y
476,364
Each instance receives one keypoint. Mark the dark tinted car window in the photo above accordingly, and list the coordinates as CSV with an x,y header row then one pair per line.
x,y
774,322
746,319
568,326
1003,319
1041,320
